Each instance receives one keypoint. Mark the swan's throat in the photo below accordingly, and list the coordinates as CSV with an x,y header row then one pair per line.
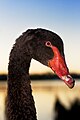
x,y
20,103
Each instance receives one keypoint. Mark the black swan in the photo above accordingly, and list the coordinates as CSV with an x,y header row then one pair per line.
x,y
43,46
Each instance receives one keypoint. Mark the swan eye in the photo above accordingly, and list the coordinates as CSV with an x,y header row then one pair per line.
x,y
48,44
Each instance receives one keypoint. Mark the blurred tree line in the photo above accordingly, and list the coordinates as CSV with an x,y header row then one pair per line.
x,y
41,76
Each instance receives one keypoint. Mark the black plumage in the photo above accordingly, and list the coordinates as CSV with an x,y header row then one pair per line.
x,y
31,44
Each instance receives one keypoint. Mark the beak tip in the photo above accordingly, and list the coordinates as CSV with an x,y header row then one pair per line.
x,y
73,83
70,83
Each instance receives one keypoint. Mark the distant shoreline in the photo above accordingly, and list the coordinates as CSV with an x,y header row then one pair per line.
x,y
3,77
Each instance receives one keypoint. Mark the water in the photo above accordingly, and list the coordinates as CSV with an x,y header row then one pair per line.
x,y
45,95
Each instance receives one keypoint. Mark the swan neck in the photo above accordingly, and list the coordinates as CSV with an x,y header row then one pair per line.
x,y
20,102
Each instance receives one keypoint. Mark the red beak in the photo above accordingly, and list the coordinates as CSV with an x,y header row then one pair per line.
x,y
58,65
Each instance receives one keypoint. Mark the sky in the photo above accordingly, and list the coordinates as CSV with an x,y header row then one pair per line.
x,y
59,16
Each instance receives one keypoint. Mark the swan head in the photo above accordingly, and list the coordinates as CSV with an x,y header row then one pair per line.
x,y
48,49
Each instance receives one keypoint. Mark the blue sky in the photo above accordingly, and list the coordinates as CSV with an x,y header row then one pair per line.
x,y
60,16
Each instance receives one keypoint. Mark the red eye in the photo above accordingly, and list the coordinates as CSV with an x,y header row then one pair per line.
x,y
48,44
